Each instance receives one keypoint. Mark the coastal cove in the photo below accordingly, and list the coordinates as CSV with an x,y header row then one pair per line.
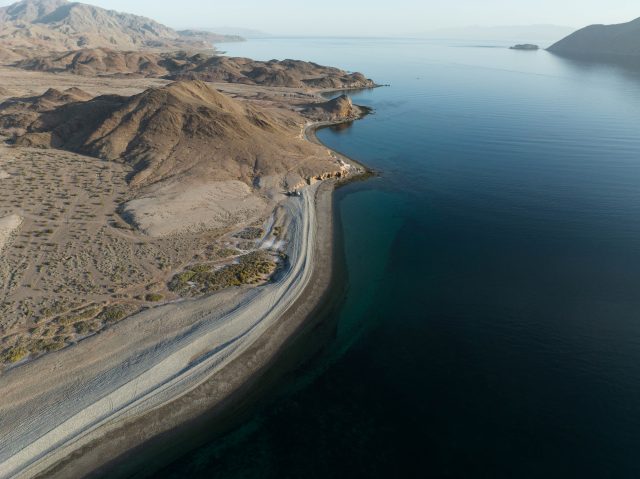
x,y
360,241
490,323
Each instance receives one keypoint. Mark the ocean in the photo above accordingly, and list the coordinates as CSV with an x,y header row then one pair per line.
x,y
491,322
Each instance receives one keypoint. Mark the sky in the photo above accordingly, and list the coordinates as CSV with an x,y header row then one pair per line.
x,y
373,17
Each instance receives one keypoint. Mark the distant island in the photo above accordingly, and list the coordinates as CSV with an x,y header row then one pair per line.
x,y
602,42
525,46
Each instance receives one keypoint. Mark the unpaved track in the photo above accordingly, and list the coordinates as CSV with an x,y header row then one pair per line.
x,y
50,407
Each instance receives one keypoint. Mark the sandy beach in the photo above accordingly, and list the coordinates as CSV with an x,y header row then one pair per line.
x,y
80,397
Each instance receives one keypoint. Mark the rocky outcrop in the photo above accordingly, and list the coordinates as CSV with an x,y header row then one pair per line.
x,y
338,109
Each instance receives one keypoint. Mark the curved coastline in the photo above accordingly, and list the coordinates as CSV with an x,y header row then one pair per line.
x,y
223,391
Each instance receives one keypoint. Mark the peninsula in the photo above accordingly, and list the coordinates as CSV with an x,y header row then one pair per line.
x,y
614,42
152,251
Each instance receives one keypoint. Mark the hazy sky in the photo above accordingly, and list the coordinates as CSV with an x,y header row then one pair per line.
x,y
373,17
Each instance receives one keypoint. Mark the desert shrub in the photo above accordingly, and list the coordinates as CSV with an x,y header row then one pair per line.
x,y
46,345
14,354
186,276
251,233
82,328
154,297
249,269
226,252
201,268
78,316
113,313
54,346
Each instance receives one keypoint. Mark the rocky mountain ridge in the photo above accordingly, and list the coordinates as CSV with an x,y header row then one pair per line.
x,y
59,25
181,65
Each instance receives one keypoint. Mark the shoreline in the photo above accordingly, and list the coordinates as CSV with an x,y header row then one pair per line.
x,y
73,400
219,394
224,393
310,133
301,333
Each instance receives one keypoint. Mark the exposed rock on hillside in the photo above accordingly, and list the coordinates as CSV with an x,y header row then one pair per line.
x,y
340,108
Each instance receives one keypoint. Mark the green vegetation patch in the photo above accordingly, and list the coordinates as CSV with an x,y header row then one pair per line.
x,y
78,316
251,233
82,328
154,297
224,253
116,313
14,354
251,268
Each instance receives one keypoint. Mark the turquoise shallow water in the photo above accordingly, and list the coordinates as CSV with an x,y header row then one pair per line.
x,y
491,326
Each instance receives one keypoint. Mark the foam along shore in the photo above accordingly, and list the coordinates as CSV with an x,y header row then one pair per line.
x,y
65,401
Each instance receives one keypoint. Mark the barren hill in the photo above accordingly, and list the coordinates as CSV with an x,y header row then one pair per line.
x,y
58,25
17,114
99,61
184,66
185,129
602,42
285,73
199,160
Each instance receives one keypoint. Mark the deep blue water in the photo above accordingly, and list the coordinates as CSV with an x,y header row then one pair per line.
x,y
492,320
